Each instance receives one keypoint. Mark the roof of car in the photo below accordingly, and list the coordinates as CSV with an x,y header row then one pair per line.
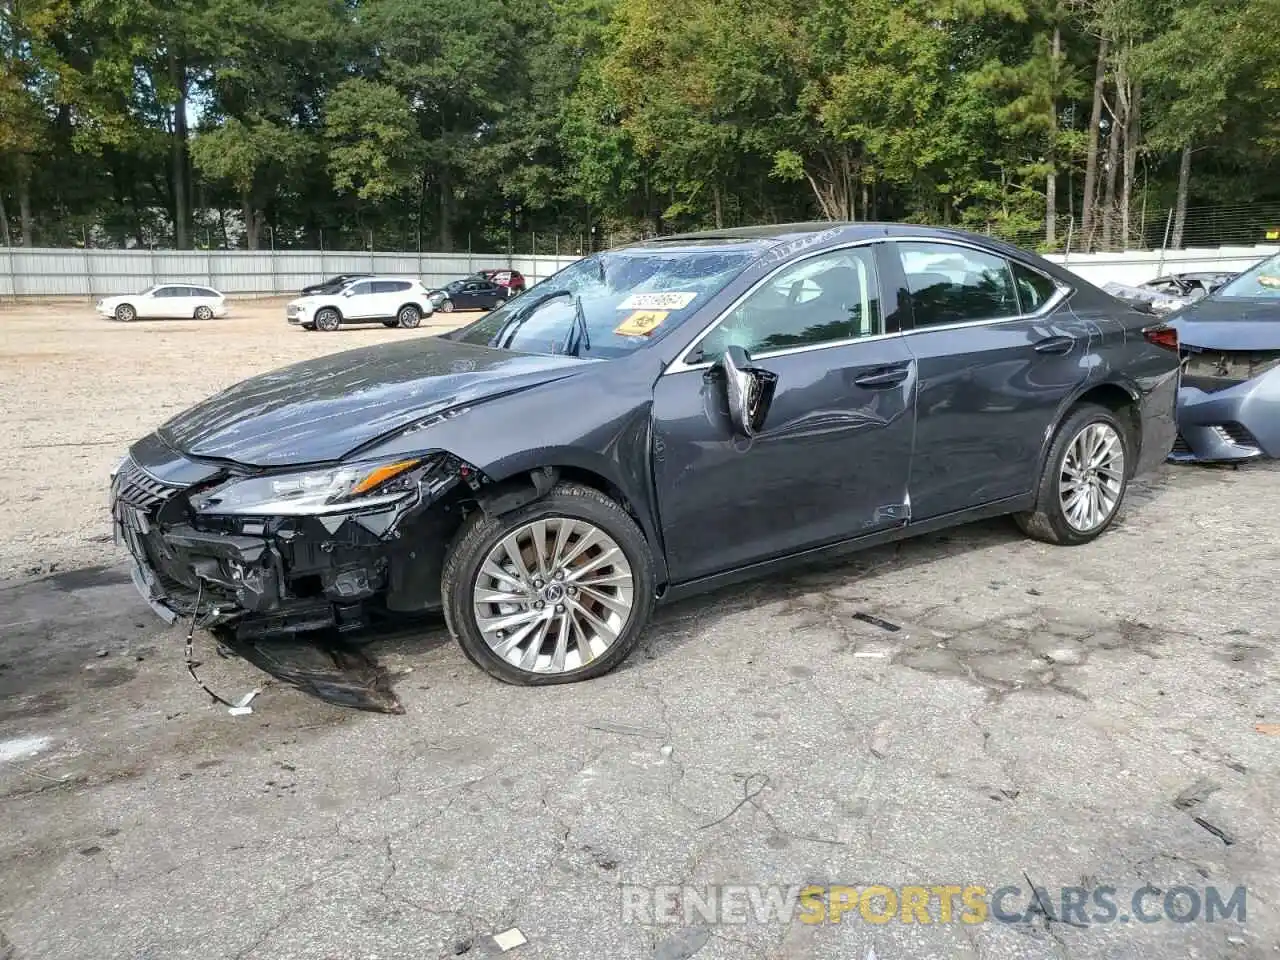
x,y
782,232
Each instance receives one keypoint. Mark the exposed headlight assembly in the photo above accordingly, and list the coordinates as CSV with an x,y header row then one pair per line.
x,y
341,489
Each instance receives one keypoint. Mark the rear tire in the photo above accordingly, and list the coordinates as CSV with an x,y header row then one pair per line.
x,y
328,320
125,313
1086,474
607,588
409,316
203,313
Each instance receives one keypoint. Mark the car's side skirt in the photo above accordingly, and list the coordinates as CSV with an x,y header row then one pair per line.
x,y
814,555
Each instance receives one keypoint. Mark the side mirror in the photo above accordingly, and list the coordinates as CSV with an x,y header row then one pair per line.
x,y
750,391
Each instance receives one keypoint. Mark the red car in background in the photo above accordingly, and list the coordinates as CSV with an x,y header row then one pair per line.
x,y
513,280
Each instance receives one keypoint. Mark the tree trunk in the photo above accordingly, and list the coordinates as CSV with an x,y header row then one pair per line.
x,y
180,161
1113,163
446,212
1088,204
1132,141
1051,178
24,209
1180,208
715,199
252,222
4,223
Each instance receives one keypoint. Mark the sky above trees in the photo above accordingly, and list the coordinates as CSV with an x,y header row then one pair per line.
x,y
445,124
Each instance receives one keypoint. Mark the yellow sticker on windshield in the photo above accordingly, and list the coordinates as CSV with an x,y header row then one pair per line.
x,y
641,323
1269,281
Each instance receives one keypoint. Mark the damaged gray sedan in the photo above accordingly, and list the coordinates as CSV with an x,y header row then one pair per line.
x,y
1229,403
650,422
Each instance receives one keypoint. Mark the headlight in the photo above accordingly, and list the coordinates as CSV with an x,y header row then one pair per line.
x,y
339,489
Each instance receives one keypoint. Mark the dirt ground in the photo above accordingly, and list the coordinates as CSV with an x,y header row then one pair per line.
x,y
76,389
967,709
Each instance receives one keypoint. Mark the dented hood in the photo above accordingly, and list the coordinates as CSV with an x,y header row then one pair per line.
x,y
1229,324
323,409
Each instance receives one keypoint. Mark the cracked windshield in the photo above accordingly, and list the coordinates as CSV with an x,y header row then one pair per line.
x,y
609,304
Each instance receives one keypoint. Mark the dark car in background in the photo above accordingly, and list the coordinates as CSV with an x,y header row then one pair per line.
x,y
1229,403
512,280
469,294
332,284
651,422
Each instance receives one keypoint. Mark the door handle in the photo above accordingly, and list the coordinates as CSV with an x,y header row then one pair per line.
x,y
1055,345
889,377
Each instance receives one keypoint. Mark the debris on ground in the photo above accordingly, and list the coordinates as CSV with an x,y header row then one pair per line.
x,y
877,622
1194,794
1224,835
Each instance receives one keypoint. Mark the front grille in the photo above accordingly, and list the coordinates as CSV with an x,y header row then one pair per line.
x,y
1180,444
139,489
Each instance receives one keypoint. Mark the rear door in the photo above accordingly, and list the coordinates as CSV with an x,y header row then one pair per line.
x,y
833,458
998,355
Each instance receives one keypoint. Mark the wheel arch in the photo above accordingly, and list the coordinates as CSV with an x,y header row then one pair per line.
x,y
328,306
516,481
1121,398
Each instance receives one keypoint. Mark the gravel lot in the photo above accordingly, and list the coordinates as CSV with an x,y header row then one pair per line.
x,y
1032,720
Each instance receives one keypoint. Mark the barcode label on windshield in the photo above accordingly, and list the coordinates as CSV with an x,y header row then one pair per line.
x,y
666,300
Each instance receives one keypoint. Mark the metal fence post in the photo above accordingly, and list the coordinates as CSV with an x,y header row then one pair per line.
x,y
373,266
152,260
88,264
323,272
1168,222
13,274
1066,253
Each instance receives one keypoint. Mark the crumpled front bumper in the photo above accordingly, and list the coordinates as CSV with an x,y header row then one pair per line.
x,y
1236,423
258,583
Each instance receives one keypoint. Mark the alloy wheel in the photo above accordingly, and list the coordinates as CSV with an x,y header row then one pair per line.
x,y
125,313
1092,477
409,317
447,306
204,313
553,595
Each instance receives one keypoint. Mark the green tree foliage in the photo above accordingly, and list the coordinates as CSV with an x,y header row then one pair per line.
x,y
490,122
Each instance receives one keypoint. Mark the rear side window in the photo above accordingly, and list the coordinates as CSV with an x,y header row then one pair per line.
x,y
1034,288
953,284
389,286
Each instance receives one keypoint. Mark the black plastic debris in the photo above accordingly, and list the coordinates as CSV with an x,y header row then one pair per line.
x,y
877,622
327,668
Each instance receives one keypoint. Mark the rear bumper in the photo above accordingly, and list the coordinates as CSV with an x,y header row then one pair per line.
x,y
1241,422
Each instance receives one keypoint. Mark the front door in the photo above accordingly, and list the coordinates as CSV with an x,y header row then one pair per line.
x,y
998,356
833,457
361,303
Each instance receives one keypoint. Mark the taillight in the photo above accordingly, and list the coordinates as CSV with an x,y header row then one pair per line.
x,y
1162,335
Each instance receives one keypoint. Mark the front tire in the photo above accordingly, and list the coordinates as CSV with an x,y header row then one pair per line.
x,y
446,306
1085,477
409,316
328,320
125,313
556,591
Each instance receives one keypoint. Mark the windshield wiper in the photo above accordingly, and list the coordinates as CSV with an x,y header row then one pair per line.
x,y
573,342
520,315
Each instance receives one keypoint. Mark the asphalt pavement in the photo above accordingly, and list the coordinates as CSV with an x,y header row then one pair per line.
x,y
967,710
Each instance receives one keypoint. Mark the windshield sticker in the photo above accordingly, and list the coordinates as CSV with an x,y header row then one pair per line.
x,y
641,323
667,300
1272,282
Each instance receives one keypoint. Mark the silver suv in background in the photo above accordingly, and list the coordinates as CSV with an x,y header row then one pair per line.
x,y
391,301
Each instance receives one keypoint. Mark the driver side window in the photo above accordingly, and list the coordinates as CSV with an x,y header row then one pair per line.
x,y
822,299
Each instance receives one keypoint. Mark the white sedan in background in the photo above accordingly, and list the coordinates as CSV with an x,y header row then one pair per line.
x,y
168,300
